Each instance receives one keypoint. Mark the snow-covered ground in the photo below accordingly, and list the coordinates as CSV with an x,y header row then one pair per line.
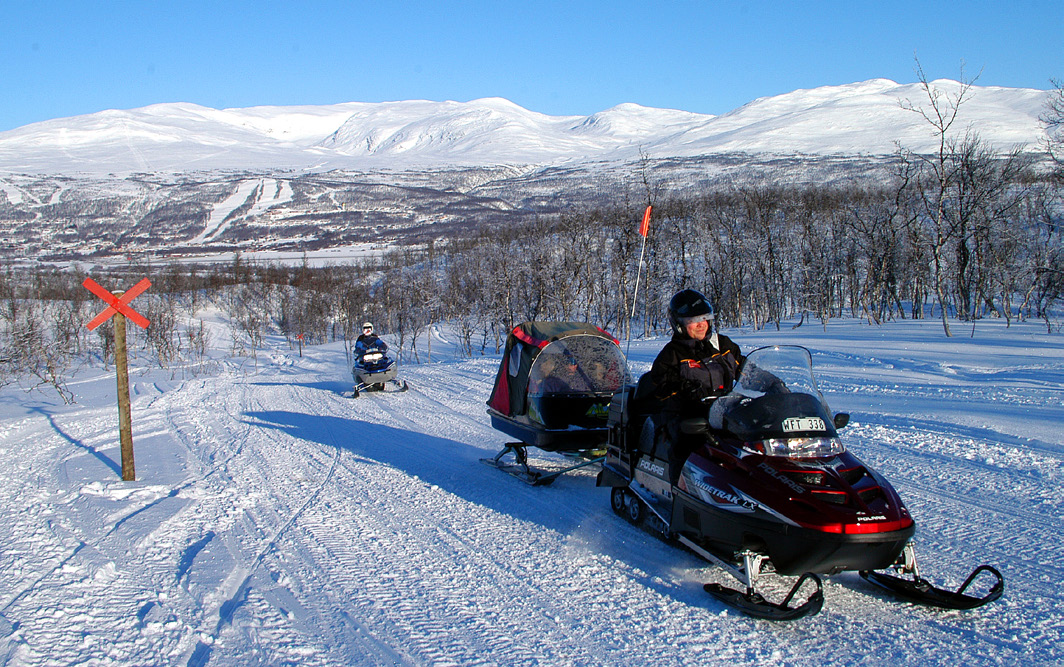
x,y
276,521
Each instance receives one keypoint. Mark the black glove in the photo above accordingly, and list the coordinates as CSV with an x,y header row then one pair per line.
x,y
777,387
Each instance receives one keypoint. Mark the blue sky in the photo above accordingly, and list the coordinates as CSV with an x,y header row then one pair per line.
x,y
62,59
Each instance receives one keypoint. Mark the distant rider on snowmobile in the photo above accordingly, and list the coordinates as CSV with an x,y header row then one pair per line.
x,y
697,365
368,340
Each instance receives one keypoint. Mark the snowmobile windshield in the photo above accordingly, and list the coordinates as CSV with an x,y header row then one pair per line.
x,y
579,364
776,407
773,369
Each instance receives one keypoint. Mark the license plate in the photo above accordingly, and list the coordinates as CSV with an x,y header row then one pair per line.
x,y
803,424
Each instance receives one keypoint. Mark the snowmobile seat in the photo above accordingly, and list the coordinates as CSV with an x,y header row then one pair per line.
x,y
653,437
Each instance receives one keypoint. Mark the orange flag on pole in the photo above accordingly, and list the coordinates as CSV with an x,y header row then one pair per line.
x,y
644,226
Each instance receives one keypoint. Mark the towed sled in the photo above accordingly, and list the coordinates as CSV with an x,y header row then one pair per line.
x,y
770,490
552,392
376,371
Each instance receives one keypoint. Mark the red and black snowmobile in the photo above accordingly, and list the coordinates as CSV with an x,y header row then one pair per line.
x,y
769,487
553,392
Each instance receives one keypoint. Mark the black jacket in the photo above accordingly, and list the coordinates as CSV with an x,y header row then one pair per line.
x,y
687,371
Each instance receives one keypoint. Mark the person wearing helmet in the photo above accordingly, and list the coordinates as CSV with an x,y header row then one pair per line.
x,y
367,341
696,366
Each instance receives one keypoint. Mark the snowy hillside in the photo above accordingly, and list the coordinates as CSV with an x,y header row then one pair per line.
x,y
858,119
864,118
275,521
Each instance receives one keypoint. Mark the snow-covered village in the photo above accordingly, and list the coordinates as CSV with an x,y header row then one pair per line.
x,y
610,371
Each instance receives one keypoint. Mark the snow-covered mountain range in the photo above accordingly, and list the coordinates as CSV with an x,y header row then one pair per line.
x,y
181,178
866,118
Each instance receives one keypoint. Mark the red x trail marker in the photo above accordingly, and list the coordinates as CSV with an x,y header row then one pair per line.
x,y
118,304
120,310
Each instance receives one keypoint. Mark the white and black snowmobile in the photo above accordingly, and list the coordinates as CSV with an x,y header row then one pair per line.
x,y
770,488
374,370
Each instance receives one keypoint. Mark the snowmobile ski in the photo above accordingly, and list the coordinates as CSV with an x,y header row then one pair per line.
x,y
634,505
361,388
754,604
751,602
923,591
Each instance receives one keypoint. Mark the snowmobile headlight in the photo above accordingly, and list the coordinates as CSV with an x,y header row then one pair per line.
x,y
799,448
372,356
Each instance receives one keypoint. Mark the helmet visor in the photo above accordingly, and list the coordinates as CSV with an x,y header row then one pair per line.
x,y
704,317
690,304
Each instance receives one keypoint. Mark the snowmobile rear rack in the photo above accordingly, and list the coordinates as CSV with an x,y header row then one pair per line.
x,y
521,470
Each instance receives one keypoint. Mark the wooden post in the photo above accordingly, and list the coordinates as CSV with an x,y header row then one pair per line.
x,y
125,422
118,306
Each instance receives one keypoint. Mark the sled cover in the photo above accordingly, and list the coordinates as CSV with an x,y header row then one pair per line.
x,y
534,349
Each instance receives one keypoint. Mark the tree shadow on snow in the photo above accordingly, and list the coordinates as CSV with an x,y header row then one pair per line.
x,y
573,506
449,464
102,457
